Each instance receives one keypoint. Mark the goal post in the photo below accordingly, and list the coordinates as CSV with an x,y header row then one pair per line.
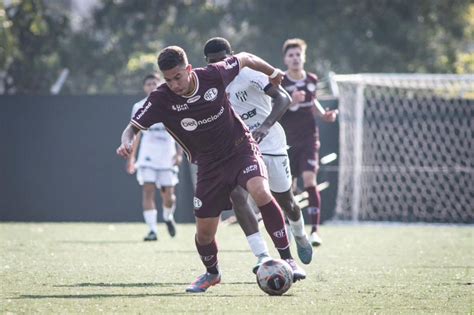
x,y
406,147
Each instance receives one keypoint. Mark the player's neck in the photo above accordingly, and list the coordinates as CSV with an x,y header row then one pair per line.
x,y
296,75
192,86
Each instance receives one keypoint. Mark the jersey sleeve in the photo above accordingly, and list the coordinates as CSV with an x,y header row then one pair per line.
x,y
228,68
135,108
259,81
147,115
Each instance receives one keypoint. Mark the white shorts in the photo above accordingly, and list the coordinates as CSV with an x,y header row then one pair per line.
x,y
279,175
161,178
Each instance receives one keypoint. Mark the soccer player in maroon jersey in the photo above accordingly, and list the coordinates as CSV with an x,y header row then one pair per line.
x,y
195,109
301,131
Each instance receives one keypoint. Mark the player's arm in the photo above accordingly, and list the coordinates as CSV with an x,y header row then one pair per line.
x,y
178,158
258,64
132,158
326,114
128,135
281,103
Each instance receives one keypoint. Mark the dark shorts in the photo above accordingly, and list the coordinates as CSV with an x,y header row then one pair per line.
x,y
304,158
215,182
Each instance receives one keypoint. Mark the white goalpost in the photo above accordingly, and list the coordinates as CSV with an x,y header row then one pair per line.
x,y
406,147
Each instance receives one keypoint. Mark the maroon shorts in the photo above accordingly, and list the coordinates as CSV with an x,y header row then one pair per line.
x,y
215,181
304,158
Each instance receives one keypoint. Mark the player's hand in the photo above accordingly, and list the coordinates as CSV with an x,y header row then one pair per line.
x,y
277,80
330,115
178,158
131,169
298,96
260,133
124,150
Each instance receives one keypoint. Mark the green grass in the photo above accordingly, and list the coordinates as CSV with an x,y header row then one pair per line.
x,y
93,268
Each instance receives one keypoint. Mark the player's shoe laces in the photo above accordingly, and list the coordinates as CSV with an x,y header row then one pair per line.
x,y
298,272
171,225
304,248
261,259
150,237
203,282
315,239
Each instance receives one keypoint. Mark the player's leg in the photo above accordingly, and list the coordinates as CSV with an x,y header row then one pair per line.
x,y
212,195
280,181
149,210
249,224
288,203
206,245
169,206
273,219
167,179
146,177
314,205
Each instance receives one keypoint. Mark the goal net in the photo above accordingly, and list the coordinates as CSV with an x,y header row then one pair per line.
x,y
406,147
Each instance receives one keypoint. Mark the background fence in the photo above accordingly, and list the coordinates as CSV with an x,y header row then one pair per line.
x,y
58,161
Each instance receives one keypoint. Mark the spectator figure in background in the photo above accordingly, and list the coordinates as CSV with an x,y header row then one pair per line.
x,y
156,167
299,123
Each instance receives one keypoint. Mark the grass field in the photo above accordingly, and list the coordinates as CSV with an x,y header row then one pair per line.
x,y
93,268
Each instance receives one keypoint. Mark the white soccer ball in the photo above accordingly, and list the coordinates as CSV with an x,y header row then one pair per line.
x,y
274,276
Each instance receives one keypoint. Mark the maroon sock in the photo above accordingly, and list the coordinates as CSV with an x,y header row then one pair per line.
x,y
314,206
208,254
275,226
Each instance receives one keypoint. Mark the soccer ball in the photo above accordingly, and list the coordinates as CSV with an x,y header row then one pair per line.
x,y
274,276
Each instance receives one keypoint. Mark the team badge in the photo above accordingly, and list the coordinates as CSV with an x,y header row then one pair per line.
x,y
311,87
197,203
210,94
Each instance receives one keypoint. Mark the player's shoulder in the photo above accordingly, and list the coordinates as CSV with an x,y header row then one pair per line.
x,y
311,77
139,103
160,93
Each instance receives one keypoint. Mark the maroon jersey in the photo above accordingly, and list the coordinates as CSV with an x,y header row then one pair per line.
x,y
204,124
299,122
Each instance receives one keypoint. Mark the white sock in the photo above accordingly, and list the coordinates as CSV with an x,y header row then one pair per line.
x,y
150,217
297,227
168,213
257,244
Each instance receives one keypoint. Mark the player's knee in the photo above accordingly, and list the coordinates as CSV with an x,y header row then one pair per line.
x,y
261,195
309,179
238,199
204,237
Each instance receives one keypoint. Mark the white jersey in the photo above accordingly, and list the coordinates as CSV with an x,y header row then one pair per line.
x,y
157,147
247,96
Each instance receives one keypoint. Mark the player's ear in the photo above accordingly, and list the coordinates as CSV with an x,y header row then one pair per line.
x,y
189,67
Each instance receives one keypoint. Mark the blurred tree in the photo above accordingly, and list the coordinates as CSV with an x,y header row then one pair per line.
x,y
31,41
361,36
118,44
122,41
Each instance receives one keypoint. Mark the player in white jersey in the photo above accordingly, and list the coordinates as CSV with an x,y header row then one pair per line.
x,y
251,96
156,167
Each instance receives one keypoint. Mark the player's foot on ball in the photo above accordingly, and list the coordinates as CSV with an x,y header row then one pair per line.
x,y
150,237
260,260
171,225
304,248
298,272
315,239
203,282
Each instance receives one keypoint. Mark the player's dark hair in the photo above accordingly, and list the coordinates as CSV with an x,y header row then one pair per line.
x,y
151,77
294,43
216,45
171,57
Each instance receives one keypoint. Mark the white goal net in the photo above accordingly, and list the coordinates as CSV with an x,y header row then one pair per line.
x,y
406,147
